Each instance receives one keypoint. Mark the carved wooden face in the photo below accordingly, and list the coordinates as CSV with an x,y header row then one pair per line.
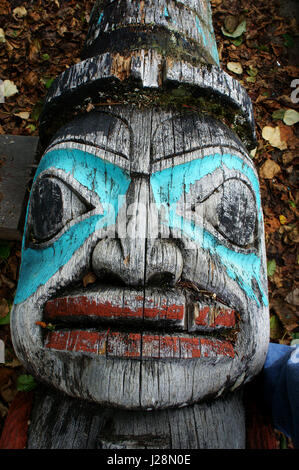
x,y
165,210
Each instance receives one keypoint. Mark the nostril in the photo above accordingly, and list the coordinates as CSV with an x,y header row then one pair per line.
x,y
110,278
164,263
161,279
110,265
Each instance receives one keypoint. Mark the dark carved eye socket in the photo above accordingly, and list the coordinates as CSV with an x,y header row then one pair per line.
x,y
52,205
236,212
230,209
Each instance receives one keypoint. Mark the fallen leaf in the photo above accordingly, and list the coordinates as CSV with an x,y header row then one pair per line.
x,y
273,136
294,235
287,136
2,35
290,117
31,79
269,169
285,313
287,157
235,67
271,267
253,152
41,323
230,23
275,328
26,383
126,260
283,219
293,297
22,115
89,278
89,107
19,12
278,114
240,29
10,88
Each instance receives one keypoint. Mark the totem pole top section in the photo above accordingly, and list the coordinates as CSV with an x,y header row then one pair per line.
x,y
149,53
181,29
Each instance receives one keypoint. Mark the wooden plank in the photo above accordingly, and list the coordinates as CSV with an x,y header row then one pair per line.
x,y
17,155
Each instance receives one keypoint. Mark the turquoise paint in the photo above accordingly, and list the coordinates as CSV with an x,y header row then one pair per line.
x,y
100,19
168,186
36,269
214,49
110,182
184,175
212,42
96,174
107,180
199,29
166,14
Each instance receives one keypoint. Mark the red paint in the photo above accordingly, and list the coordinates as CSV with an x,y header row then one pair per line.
x,y
87,341
216,316
214,347
124,345
203,316
135,345
165,312
190,348
85,306
57,340
169,346
77,340
81,305
151,346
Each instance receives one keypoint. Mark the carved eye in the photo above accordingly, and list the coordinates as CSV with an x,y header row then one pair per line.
x,y
230,209
53,204
236,212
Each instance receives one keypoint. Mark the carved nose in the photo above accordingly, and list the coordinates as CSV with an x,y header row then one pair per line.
x,y
138,257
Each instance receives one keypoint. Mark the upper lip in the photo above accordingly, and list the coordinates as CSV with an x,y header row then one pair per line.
x,y
154,309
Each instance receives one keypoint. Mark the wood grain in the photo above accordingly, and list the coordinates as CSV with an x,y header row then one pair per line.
x,y
62,423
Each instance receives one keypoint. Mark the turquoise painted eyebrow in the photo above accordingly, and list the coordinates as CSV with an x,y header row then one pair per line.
x,y
184,175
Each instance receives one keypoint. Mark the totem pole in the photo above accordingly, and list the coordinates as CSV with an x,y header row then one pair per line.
x,y
146,182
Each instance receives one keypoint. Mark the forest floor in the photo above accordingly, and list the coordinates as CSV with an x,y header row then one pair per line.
x,y
258,45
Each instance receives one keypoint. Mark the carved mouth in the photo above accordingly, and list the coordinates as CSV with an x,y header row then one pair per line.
x,y
141,324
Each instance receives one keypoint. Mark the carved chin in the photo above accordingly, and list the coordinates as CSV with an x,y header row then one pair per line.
x,y
139,348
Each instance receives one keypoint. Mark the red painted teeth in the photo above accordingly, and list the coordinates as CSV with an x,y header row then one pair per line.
x,y
211,316
132,307
137,345
110,306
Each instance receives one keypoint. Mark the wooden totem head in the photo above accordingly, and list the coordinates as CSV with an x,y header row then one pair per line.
x,y
146,182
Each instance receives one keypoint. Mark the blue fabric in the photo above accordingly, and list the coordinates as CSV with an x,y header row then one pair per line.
x,y
281,388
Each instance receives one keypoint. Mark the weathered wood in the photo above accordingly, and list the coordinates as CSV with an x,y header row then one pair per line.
x,y
17,160
160,203
65,423
201,246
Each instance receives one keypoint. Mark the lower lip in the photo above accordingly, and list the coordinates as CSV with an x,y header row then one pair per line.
x,y
137,345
